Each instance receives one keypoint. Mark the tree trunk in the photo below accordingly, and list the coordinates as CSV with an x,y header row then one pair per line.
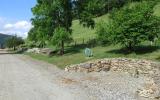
x,y
62,47
14,48
130,47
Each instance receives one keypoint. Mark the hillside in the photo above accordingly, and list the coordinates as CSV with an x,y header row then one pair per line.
x,y
80,33
3,38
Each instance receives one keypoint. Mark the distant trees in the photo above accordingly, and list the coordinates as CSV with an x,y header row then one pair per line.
x,y
131,25
14,41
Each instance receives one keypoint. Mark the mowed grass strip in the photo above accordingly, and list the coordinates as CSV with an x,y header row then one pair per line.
x,y
143,52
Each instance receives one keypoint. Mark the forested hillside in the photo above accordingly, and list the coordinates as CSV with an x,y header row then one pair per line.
x,y
3,38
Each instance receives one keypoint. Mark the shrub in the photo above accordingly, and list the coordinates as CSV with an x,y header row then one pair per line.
x,y
131,25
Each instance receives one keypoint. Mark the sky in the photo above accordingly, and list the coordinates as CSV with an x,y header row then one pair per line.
x,y
15,16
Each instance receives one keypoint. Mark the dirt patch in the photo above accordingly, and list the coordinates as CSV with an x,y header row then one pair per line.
x,y
68,81
89,78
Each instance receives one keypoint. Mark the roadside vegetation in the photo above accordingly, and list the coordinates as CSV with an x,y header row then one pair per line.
x,y
116,29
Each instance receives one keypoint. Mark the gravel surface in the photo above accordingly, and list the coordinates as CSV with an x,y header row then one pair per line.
x,y
22,78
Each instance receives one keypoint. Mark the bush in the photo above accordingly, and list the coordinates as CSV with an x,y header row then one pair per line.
x,y
131,25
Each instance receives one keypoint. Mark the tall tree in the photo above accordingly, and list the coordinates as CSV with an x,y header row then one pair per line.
x,y
52,14
61,35
49,15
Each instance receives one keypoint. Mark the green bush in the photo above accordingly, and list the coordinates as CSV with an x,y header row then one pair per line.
x,y
131,25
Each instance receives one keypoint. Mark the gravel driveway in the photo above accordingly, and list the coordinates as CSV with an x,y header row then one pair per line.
x,y
22,78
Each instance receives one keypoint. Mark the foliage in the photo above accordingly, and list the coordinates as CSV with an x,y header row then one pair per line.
x,y
61,36
103,36
14,41
96,7
48,15
130,26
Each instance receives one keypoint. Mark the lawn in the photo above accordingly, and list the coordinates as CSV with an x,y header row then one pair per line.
x,y
75,55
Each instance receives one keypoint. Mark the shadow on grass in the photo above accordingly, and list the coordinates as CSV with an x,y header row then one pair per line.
x,y
158,58
79,47
75,49
138,50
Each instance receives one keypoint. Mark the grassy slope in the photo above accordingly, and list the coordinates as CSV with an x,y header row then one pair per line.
x,y
76,55
157,10
80,33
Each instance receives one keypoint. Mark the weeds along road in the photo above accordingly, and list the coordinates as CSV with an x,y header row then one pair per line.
x,y
22,78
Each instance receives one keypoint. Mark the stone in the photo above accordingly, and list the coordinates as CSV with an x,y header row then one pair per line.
x,y
86,65
150,90
66,69
33,50
133,66
47,51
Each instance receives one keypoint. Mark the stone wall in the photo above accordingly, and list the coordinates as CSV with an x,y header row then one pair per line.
x,y
133,66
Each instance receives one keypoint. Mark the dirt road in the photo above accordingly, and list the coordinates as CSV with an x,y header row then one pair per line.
x,y
22,78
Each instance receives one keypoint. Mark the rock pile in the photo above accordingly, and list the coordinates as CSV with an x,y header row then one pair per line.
x,y
43,51
151,90
133,66
47,51
33,50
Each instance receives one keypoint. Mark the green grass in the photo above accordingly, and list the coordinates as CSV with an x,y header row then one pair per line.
x,y
80,32
75,55
157,9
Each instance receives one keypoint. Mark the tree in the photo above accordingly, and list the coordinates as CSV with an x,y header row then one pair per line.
x,y
61,35
14,41
48,15
132,25
104,33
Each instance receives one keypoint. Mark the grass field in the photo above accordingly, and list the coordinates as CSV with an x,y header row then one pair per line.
x,y
75,54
